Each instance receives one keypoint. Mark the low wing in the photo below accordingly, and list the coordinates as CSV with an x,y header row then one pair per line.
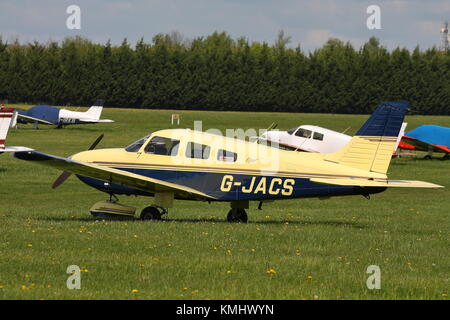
x,y
424,146
32,119
375,183
113,176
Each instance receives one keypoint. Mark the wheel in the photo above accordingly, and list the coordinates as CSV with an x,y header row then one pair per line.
x,y
427,157
446,157
150,213
237,215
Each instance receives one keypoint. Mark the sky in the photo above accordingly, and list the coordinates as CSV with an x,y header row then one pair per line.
x,y
309,23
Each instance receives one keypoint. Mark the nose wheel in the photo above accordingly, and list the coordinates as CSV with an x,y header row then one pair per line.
x,y
152,213
237,215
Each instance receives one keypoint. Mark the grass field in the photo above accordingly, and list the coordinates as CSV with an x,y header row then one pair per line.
x,y
293,249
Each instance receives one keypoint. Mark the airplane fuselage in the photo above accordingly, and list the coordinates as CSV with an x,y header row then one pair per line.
x,y
243,179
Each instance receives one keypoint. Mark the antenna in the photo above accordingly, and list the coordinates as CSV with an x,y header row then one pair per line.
x,y
444,38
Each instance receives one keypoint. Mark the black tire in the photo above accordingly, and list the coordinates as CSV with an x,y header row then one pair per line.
x,y
427,157
237,215
150,213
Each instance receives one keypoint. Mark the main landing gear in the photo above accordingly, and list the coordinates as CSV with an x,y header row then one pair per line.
x,y
237,215
237,212
152,212
163,201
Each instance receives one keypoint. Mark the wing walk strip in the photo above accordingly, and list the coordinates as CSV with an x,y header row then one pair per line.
x,y
119,165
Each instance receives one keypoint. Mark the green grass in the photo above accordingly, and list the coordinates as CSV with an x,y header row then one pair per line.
x,y
318,249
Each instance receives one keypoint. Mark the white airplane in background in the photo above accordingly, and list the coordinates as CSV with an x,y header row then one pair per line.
x,y
44,114
6,117
314,139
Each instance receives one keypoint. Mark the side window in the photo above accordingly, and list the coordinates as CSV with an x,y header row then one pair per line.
x,y
227,156
197,151
318,136
162,146
303,133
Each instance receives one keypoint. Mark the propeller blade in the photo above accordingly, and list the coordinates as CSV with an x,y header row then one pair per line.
x,y
96,142
63,176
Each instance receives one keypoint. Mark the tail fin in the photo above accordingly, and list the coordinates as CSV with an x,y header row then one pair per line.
x,y
6,115
95,111
371,148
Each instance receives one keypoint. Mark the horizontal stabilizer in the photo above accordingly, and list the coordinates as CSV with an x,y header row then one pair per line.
x,y
96,121
376,183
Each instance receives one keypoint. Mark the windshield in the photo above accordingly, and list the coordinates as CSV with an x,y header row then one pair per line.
x,y
291,131
135,146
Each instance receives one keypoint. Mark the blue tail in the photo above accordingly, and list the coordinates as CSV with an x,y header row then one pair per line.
x,y
386,120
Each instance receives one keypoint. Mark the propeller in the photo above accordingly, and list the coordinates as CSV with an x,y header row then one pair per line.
x,y
63,176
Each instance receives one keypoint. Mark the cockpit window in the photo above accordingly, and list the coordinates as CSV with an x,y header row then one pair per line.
x,y
162,146
303,133
135,146
291,131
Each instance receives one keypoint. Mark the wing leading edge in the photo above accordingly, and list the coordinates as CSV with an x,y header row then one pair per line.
x,y
113,176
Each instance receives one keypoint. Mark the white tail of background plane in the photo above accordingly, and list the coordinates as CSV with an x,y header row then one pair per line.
x,y
95,111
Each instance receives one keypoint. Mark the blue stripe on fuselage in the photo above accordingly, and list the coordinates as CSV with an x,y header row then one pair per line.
x,y
231,187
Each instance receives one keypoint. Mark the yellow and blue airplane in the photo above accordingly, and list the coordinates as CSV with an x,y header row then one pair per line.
x,y
192,165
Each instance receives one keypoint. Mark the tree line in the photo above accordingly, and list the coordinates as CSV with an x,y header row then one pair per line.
x,y
218,72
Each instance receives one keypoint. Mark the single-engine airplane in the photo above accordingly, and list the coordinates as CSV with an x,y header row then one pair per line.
x,y
310,138
44,114
192,165
6,116
429,138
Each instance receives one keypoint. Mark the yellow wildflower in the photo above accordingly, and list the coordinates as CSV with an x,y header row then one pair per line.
x,y
271,271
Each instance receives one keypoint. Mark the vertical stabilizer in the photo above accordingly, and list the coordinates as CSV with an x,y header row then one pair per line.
x,y
95,111
372,146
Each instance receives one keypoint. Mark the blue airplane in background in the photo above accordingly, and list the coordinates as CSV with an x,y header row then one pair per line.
x,y
45,114
429,138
